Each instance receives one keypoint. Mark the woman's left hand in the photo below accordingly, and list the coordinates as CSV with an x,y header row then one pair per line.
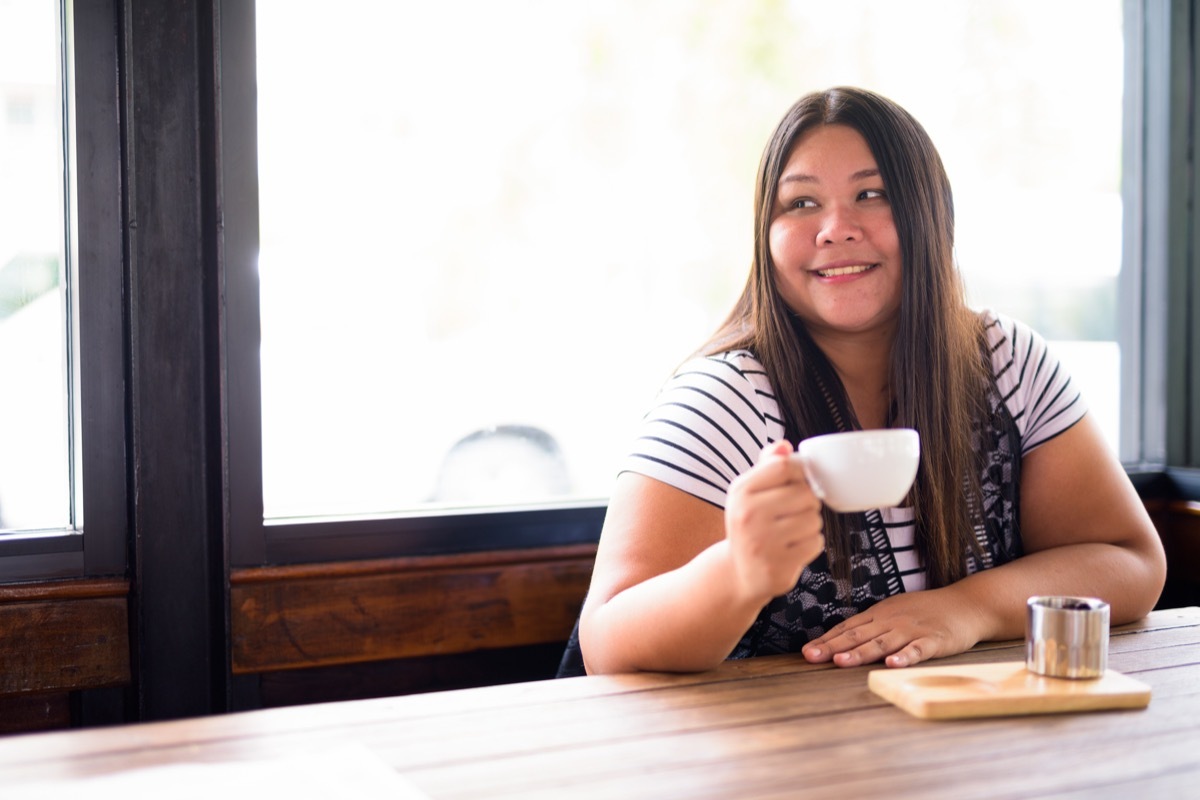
x,y
902,630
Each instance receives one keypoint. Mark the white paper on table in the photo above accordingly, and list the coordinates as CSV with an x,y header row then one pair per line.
x,y
346,771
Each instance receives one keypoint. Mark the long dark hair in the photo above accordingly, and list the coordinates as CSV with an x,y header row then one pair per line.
x,y
938,374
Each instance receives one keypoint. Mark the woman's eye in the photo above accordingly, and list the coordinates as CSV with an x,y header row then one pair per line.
x,y
802,202
872,194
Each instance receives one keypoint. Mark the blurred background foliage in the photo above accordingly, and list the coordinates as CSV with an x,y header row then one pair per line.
x,y
25,278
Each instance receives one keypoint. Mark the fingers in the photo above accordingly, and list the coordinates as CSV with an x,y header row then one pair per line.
x,y
869,642
775,519
914,653
841,639
772,494
775,469
773,523
777,449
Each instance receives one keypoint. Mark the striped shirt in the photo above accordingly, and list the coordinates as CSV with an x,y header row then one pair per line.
x,y
715,415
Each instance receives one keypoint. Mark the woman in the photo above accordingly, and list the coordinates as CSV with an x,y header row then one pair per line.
x,y
853,316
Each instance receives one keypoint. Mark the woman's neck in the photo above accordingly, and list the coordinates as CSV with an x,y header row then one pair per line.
x,y
863,363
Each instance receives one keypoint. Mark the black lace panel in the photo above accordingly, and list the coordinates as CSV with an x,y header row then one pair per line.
x,y
817,602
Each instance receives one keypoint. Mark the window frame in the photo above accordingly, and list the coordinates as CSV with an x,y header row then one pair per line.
x,y
1160,423
94,289
176,506
253,541
1142,333
1155,325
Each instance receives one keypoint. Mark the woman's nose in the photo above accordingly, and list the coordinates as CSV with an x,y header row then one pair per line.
x,y
839,225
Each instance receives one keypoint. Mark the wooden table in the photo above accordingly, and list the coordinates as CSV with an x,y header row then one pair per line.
x,y
767,727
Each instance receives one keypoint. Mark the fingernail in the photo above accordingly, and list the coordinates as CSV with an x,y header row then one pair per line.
x,y
815,652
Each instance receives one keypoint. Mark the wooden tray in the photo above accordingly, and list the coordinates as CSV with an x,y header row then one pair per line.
x,y
1003,689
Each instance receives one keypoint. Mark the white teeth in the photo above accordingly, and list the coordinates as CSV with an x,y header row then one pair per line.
x,y
854,270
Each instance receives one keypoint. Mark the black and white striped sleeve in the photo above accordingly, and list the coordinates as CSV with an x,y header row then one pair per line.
x,y
1035,386
710,422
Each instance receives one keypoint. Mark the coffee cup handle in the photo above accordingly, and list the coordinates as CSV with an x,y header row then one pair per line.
x,y
809,477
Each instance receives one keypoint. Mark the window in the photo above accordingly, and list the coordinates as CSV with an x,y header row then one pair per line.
x,y
63,405
35,468
485,241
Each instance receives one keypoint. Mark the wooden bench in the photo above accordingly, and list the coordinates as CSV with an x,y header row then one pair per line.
x,y
56,638
426,622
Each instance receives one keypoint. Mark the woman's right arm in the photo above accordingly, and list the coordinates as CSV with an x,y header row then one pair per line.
x,y
677,581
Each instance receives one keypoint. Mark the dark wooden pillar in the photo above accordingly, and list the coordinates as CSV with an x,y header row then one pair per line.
x,y
179,563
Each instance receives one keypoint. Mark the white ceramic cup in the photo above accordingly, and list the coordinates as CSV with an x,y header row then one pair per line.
x,y
861,470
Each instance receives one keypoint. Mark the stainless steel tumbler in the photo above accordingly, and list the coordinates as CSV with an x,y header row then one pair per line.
x,y
1066,637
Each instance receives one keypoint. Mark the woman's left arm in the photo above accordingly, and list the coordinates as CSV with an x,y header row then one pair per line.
x,y
1085,532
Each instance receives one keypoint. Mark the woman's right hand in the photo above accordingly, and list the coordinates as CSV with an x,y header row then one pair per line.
x,y
677,581
773,524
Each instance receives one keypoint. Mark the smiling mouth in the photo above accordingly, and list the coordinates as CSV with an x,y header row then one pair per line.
x,y
839,271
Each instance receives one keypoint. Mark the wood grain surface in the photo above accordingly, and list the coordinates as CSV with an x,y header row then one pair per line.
x,y
321,615
1002,689
64,636
770,727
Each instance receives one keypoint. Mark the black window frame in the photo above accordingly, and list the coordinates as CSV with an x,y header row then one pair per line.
x,y
253,541
1157,289
95,266
1157,294
1158,45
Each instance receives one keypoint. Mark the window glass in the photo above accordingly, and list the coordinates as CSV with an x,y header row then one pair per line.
x,y
489,231
34,472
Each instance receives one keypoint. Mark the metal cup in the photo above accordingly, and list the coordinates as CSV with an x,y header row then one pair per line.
x,y
1066,637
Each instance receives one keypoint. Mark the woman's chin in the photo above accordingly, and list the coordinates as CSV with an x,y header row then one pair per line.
x,y
846,322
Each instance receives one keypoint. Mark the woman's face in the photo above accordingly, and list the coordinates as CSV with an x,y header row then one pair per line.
x,y
833,242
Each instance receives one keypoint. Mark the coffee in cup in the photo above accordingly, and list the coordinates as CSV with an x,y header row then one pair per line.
x,y
861,470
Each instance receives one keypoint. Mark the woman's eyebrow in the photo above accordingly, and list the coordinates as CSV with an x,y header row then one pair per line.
x,y
802,177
